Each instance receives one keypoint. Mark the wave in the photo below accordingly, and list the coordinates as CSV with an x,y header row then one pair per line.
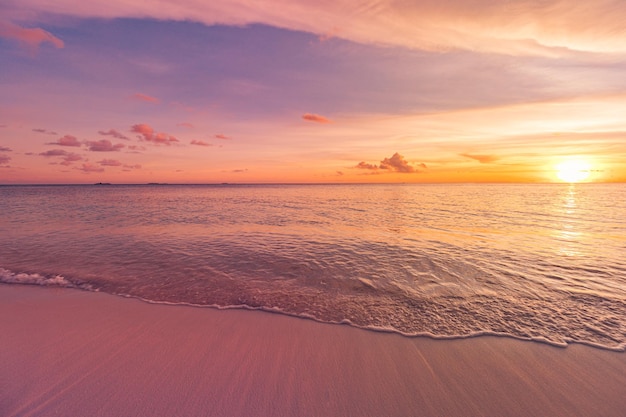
x,y
431,319
56,280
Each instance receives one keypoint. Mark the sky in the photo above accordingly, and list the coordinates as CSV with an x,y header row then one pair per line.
x,y
276,91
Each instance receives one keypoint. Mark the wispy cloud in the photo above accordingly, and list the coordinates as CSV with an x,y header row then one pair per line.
x,y
67,140
45,132
110,163
4,159
222,136
54,152
200,143
32,38
71,158
89,168
538,27
185,124
145,97
68,157
4,149
483,159
147,133
315,118
114,133
104,145
136,148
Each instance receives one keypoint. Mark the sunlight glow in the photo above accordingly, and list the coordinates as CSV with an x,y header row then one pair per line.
x,y
574,170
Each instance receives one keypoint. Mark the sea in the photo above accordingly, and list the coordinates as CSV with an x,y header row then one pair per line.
x,y
543,262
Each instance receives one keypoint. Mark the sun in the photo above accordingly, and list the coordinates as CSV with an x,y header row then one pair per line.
x,y
573,170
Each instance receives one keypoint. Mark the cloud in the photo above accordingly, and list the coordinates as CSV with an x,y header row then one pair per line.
x,y
396,163
315,118
129,167
145,97
4,149
147,133
4,159
110,163
221,136
45,132
54,152
365,165
537,27
185,124
68,157
238,171
88,168
32,38
483,159
67,140
200,143
71,158
136,148
114,133
104,145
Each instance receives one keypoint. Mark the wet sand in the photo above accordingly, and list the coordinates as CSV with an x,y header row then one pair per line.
x,y
69,352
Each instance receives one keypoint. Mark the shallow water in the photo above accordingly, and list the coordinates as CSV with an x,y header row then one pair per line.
x,y
543,262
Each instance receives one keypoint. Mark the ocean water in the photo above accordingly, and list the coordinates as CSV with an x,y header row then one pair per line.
x,y
540,262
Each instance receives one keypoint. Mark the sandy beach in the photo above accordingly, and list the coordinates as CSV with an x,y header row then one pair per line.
x,y
70,353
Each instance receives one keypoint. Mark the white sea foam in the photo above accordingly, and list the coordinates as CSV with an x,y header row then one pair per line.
x,y
10,277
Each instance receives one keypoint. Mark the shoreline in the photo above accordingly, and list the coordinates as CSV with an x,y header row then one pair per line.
x,y
74,352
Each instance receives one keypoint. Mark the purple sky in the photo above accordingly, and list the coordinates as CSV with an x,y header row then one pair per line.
x,y
263,91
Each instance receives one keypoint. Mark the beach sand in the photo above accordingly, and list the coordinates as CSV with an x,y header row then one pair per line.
x,y
67,352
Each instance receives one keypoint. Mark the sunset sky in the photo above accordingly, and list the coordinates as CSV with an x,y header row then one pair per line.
x,y
243,91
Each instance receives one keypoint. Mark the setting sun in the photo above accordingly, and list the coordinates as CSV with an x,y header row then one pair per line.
x,y
575,170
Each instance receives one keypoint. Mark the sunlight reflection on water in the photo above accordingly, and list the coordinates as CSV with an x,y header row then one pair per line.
x,y
534,261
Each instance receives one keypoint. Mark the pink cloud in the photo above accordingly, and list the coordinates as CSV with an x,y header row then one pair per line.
x,y
71,158
67,140
200,143
136,148
4,149
365,165
483,159
104,145
54,152
32,38
114,133
537,27
4,159
68,157
88,168
45,132
396,163
145,97
110,163
315,118
147,133
221,136
129,167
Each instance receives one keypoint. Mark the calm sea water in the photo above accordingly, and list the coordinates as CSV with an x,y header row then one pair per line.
x,y
541,262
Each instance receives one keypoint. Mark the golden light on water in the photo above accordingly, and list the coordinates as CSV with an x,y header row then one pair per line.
x,y
573,170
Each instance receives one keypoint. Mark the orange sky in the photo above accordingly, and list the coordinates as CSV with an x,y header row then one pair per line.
x,y
293,91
